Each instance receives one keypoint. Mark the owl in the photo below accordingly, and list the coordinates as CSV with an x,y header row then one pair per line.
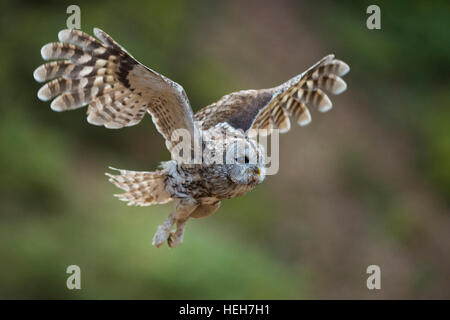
x,y
119,91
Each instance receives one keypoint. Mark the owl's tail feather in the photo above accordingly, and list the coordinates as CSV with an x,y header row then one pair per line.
x,y
141,188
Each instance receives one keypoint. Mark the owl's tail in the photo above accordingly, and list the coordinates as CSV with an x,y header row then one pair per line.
x,y
141,188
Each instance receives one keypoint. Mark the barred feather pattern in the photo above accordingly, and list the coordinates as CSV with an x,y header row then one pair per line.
x,y
293,98
90,74
117,89
141,188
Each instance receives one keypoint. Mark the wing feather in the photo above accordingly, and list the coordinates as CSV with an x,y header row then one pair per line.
x,y
116,87
269,109
303,91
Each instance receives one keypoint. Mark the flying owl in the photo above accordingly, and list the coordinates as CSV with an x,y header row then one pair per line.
x,y
119,91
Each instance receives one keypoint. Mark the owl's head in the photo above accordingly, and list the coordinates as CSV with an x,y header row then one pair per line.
x,y
244,161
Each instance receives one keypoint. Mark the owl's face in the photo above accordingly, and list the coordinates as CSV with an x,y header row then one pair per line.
x,y
245,162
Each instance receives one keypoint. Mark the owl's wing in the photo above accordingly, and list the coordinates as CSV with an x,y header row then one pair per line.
x,y
117,88
272,108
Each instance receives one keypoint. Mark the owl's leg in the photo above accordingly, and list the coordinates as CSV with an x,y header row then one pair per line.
x,y
163,231
183,208
176,237
200,211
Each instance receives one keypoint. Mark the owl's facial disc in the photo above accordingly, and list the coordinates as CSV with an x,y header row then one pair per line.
x,y
243,162
245,173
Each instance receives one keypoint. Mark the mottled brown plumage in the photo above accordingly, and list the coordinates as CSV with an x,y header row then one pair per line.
x,y
119,91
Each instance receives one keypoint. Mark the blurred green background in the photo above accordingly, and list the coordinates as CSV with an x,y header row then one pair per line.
x,y
367,183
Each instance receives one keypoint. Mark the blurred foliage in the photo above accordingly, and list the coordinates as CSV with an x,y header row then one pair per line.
x,y
411,56
56,207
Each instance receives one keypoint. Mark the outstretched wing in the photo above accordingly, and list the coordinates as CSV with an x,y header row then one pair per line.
x,y
272,108
117,88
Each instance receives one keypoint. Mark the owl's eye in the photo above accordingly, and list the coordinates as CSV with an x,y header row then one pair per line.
x,y
243,160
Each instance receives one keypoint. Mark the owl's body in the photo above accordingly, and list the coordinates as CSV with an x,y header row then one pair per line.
x,y
203,182
119,91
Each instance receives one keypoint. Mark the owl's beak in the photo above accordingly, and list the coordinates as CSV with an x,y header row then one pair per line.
x,y
256,170
257,174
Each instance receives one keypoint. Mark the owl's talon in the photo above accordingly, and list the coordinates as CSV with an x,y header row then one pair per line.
x,y
170,239
173,240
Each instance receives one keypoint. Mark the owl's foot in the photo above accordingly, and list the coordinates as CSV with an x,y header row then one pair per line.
x,y
181,214
174,240
163,232
176,237
161,236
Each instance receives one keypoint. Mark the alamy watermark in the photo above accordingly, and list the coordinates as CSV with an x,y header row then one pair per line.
x,y
227,147
74,280
374,280
374,20
74,20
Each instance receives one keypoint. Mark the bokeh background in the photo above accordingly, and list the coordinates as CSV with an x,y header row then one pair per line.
x,y
367,183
